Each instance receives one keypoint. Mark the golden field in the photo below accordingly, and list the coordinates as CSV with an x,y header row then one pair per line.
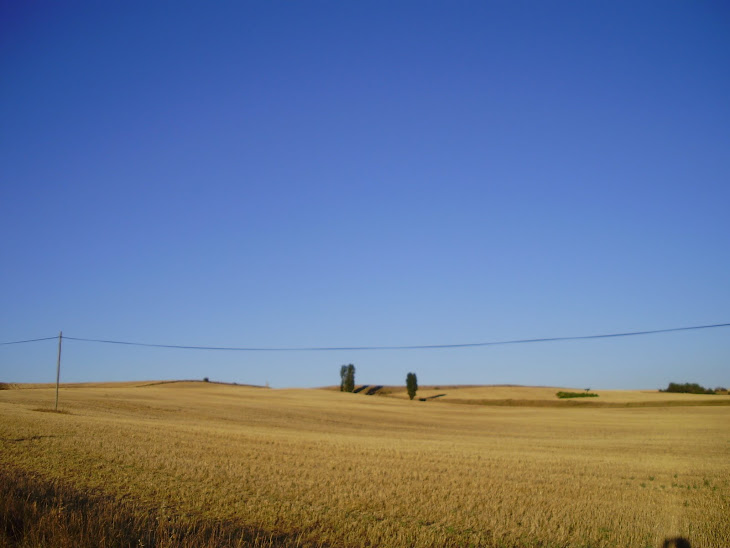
x,y
322,468
545,395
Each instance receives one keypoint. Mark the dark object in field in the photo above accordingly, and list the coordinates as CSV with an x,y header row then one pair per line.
x,y
678,542
432,397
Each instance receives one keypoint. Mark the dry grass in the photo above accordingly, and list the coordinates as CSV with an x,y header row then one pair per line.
x,y
317,467
41,513
535,394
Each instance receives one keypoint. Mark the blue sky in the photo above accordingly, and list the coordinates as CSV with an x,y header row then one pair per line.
x,y
279,174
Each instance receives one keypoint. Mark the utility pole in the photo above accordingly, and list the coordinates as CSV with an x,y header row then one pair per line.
x,y
58,365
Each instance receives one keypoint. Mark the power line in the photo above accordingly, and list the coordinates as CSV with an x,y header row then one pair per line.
x,y
30,340
354,348
403,347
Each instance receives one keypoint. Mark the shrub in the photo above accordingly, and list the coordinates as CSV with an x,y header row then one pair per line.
x,y
687,388
564,395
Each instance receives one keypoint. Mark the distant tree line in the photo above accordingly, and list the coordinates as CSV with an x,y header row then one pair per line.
x,y
691,388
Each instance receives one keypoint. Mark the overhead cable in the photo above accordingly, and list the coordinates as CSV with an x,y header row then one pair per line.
x,y
353,348
31,340
403,347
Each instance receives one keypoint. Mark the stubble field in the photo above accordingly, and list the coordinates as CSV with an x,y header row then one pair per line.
x,y
323,468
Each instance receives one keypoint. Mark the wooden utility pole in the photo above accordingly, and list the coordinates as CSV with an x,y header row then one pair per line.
x,y
58,365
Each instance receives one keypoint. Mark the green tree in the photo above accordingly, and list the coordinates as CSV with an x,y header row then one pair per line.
x,y
343,377
350,386
411,385
347,378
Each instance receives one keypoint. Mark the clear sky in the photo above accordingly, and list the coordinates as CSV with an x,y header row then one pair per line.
x,y
286,174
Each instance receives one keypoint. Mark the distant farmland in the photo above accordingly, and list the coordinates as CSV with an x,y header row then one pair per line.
x,y
203,464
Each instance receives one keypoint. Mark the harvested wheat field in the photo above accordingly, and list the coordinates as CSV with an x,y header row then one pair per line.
x,y
202,464
546,396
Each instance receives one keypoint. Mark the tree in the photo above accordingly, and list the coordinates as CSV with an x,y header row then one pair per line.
x,y
350,385
411,385
343,377
347,378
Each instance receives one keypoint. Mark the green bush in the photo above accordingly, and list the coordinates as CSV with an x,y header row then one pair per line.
x,y
687,388
564,395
